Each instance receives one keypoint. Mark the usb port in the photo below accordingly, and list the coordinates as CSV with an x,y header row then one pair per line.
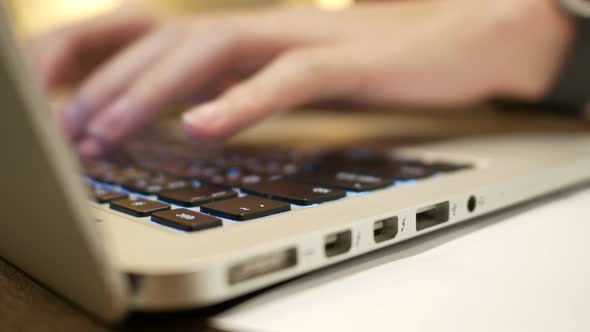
x,y
262,265
337,243
432,215
385,229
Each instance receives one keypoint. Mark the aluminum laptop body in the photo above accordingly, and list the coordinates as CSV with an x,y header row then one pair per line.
x,y
111,263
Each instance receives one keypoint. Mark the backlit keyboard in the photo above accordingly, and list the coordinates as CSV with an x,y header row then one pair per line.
x,y
190,188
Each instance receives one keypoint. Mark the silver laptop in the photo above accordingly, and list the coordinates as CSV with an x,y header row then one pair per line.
x,y
165,225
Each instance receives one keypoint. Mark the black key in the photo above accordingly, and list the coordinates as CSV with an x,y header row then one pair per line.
x,y
377,163
232,178
245,208
448,168
393,171
106,196
293,192
173,167
138,207
270,168
95,169
345,180
199,170
186,220
408,171
154,185
196,196
121,176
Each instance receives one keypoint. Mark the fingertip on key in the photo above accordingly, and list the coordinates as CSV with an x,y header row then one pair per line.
x,y
206,122
204,133
90,148
198,130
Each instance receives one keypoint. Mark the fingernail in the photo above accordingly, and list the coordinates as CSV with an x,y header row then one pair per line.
x,y
203,115
113,123
90,147
96,131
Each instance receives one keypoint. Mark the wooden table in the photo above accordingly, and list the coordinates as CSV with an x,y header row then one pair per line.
x,y
25,305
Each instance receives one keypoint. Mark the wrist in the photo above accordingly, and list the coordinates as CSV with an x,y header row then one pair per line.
x,y
543,35
569,92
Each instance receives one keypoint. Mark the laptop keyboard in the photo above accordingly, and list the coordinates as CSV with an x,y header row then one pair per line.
x,y
191,188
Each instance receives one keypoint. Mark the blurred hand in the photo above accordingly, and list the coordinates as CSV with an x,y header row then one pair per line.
x,y
430,52
68,55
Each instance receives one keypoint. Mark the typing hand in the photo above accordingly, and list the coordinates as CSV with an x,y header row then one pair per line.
x,y
67,56
444,52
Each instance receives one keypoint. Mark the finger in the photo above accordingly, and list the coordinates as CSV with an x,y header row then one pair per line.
x,y
187,69
48,54
196,66
293,79
59,57
112,79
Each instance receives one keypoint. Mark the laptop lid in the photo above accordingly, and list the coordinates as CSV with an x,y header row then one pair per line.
x,y
45,228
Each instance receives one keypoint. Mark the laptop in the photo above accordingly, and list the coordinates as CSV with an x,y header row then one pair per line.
x,y
166,225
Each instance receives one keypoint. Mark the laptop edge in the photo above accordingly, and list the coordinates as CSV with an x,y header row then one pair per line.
x,y
43,200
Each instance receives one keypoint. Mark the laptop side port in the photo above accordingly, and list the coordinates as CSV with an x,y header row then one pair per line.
x,y
432,215
338,243
471,204
262,265
385,229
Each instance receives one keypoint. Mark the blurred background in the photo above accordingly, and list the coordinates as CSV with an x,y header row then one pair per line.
x,y
36,16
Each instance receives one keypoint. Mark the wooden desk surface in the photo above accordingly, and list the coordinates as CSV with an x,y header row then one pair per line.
x,y
27,306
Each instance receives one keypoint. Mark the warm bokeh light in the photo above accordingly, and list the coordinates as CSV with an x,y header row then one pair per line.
x,y
334,4
34,16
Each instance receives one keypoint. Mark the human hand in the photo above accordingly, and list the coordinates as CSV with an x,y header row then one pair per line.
x,y
432,52
68,55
